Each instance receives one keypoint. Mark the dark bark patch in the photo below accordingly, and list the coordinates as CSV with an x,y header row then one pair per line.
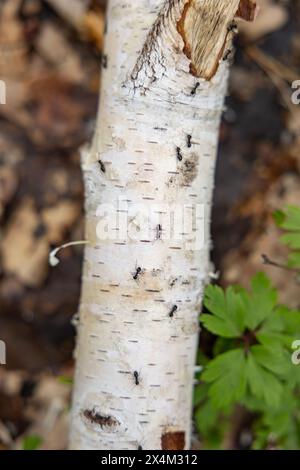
x,y
173,441
189,169
104,421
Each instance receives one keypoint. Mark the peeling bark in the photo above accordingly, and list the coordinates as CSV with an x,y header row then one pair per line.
x,y
155,145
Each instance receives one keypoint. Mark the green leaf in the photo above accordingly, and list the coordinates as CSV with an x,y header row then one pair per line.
x,y
294,260
274,323
65,380
260,375
281,328
291,319
206,417
227,375
289,220
263,384
200,393
235,309
279,217
32,442
292,240
273,339
219,326
222,345
261,303
227,312
281,424
214,300
272,359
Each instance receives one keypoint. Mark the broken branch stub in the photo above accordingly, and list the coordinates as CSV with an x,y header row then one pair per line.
x,y
206,32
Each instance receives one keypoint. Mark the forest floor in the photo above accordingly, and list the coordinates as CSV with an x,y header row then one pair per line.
x,y
50,60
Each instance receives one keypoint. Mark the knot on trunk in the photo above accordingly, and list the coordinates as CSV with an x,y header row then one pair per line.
x,y
105,422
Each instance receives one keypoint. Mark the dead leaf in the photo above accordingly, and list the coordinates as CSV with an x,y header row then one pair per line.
x,y
13,48
70,10
8,186
94,24
58,112
54,47
271,17
59,219
25,246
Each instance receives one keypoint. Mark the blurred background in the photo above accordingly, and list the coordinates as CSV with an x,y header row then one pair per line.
x,y
50,62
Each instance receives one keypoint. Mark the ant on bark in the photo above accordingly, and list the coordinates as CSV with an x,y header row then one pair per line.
x,y
179,154
233,28
102,166
136,378
174,309
158,232
138,272
193,92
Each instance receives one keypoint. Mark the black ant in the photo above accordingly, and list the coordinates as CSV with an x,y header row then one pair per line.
x,y
159,231
136,275
140,448
102,166
189,141
232,27
179,154
193,92
174,309
136,378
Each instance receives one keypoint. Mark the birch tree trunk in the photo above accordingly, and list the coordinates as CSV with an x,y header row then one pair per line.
x,y
152,160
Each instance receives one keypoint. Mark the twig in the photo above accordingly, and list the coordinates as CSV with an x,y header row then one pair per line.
x,y
277,72
268,261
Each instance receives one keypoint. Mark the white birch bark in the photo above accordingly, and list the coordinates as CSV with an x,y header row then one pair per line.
x,y
155,144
